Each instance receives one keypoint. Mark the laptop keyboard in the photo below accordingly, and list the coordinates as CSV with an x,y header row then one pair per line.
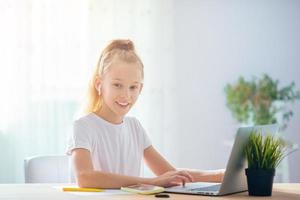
x,y
208,188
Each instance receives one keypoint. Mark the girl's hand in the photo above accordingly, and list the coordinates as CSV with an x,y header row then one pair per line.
x,y
172,178
206,175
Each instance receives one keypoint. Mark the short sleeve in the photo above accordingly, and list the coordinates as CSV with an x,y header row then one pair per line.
x,y
79,138
146,142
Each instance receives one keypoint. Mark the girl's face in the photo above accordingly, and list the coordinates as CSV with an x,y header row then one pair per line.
x,y
120,87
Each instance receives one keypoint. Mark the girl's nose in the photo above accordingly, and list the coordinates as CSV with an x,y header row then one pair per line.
x,y
126,93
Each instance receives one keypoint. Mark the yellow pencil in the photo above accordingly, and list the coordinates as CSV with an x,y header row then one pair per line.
x,y
75,189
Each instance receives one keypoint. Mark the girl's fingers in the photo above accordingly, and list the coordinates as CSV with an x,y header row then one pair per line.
x,y
176,178
171,184
185,174
180,178
188,175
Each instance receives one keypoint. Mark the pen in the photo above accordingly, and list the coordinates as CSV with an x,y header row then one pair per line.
x,y
75,189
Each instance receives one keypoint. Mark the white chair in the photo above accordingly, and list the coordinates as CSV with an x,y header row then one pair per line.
x,y
48,169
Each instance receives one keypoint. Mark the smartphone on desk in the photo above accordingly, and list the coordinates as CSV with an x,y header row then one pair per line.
x,y
143,189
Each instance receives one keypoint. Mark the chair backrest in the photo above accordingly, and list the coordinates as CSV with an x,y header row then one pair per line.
x,y
48,169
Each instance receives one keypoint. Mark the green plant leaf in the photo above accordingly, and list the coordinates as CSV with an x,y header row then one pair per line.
x,y
264,152
260,100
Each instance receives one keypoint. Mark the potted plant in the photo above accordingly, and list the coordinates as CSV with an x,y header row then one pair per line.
x,y
263,154
261,101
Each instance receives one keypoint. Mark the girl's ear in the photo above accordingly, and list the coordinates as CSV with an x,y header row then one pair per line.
x,y
98,84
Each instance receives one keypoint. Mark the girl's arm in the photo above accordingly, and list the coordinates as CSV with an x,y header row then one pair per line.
x,y
159,166
156,162
86,176
206,175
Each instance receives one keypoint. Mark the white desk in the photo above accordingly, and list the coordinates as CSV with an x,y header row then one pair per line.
x,y
47,191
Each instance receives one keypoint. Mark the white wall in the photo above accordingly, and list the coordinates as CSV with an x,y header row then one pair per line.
x,y
215,43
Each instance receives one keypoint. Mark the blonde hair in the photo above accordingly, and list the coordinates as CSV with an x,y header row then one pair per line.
x,y
117,49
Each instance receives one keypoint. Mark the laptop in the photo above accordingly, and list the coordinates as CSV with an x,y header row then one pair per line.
x,y
234,180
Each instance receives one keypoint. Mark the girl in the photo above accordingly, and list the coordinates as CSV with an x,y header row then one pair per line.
x,y
107,148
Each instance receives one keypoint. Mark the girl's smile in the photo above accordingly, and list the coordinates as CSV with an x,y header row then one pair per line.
x,y
123,105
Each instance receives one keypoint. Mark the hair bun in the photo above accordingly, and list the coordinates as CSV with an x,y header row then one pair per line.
x,y
126,45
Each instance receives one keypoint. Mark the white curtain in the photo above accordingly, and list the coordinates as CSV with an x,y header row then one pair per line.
x,y
48,50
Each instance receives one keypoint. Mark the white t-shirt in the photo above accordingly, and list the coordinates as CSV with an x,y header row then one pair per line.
x,y
114,148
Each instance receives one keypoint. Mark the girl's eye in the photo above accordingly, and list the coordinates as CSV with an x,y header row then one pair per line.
x,y
133,87
117,85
